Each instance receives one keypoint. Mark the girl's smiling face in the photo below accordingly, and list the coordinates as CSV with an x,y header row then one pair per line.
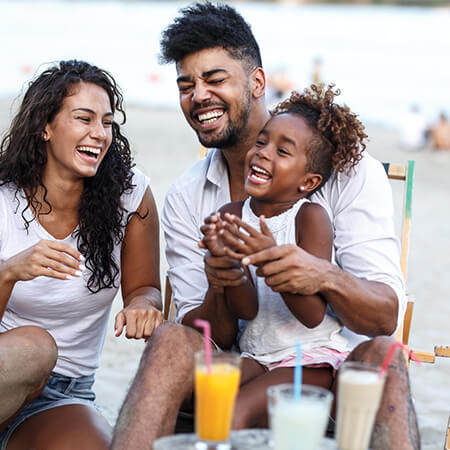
x,y
276,164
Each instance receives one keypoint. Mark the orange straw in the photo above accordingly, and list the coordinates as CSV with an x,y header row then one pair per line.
x,y
390,353
204,324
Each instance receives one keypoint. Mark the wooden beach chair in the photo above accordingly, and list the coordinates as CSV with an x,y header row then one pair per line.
x,y
169,306
405,173
447,436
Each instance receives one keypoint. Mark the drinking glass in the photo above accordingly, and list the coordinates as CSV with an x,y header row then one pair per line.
x,y
298,423
360,388
215,395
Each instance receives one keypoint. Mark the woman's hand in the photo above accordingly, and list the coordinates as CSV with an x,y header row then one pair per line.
x,y
140,317
46,258
240,244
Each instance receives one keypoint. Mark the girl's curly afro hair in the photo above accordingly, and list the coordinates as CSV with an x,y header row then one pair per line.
x,y
338,135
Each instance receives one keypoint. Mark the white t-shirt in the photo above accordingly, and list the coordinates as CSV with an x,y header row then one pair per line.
x,y
75,317
360,208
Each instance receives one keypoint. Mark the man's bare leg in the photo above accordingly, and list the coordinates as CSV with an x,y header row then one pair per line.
x,y
396,425
164,379
27,357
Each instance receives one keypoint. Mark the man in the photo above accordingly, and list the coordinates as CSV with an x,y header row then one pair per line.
x,y
221,84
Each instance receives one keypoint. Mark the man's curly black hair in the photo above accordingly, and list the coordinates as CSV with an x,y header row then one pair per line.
x,y
206,25
23,159
338,135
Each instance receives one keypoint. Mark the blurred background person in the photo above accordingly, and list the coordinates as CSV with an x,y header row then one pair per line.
x,y
413,129
440,133
279,86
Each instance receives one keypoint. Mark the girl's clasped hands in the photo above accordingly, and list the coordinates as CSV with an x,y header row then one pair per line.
x,y
230,236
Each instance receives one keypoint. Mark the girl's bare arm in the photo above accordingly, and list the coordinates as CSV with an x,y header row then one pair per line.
x,y
241,299
314,235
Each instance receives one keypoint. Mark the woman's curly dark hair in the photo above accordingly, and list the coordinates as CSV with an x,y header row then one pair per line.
x,y
23,159
338,135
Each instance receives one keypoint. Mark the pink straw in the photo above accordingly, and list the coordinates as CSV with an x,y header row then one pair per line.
x,y
204,324
390,353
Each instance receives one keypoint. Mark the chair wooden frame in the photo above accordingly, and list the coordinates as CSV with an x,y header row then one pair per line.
x,y
169,307
447,437
405,173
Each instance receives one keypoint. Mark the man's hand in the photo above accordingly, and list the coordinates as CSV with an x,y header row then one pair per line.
x,y
140,317
288,268
223,271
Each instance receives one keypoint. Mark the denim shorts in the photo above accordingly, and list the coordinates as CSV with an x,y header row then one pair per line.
x,y
59,391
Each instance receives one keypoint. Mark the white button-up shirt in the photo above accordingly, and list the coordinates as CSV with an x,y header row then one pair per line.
x,y
360,208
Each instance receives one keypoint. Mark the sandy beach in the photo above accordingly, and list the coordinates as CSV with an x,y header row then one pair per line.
x,y
164,147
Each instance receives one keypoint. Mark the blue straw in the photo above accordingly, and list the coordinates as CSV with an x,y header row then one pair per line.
x,y
298,373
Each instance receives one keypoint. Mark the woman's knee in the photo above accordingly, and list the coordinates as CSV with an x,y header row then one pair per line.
x,y
77,426
30,353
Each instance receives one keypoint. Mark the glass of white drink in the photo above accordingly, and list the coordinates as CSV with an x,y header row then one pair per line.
x,y
360,388
298,423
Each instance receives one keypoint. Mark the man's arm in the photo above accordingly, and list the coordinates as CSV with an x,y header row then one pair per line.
x,y
365,307
193,296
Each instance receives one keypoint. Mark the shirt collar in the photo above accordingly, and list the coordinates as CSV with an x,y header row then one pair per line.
x,y
217,172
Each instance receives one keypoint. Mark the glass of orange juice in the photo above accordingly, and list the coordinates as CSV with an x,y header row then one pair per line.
x,y
216,387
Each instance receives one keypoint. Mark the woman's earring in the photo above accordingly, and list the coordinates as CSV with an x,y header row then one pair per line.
x,y
302,188
45,136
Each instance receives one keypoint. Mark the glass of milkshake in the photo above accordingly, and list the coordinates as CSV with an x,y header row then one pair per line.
x,y
360,388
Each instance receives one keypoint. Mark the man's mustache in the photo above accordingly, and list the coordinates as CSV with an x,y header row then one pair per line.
x,y
199,106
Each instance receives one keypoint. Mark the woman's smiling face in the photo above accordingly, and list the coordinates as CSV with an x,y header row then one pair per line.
x,y
80,134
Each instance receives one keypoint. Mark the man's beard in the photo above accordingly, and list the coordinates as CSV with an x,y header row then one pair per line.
x,y
233,132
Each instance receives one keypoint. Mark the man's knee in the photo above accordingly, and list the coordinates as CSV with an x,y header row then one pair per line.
x,y
169,355
375,351
174,341
28,354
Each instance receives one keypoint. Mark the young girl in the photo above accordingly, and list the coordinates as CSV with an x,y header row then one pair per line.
x,y
307,138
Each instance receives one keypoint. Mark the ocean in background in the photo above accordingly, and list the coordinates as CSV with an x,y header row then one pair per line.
x,y
383,58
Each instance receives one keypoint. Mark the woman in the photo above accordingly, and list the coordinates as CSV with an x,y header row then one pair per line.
x,y
76,221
